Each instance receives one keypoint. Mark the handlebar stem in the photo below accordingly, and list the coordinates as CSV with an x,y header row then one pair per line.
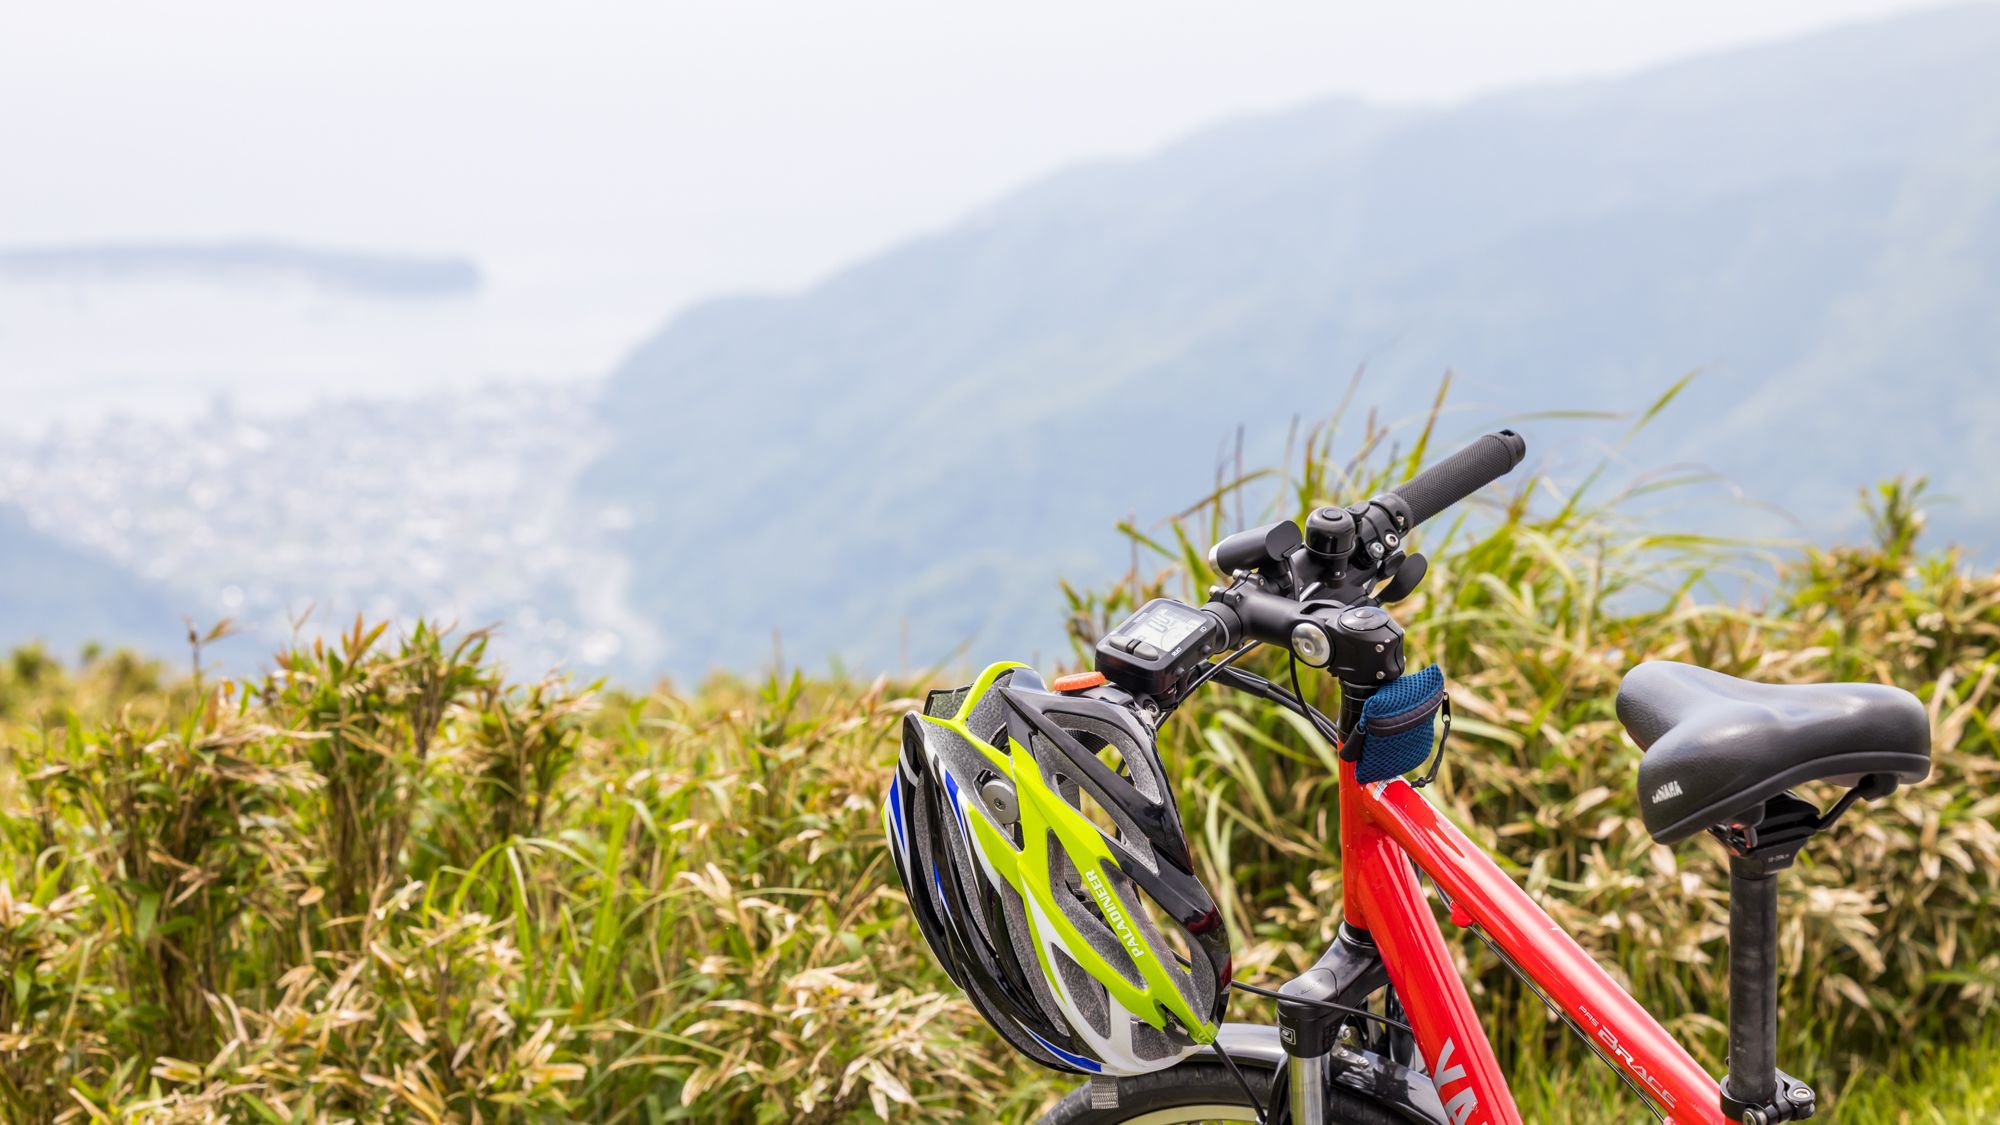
x,y
1365,642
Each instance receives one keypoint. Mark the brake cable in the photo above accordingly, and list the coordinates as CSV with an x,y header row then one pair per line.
x,y
1520,974
1348,1009
1216,669
1320,722
1236,1072
1269,994
1255,1103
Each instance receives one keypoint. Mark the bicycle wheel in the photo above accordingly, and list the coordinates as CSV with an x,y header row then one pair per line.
x,y
1195,1092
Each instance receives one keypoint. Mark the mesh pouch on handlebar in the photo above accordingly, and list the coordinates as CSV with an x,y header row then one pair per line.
x,y
1396,725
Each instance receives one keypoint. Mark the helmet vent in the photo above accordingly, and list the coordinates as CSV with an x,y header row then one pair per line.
x,y
1096,813
1150,1043
985,715
1108,753
1171,934
1084,992
945,704
1082,908
1063,874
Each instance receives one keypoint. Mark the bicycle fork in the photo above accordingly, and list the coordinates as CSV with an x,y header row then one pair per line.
x,y
1308,1024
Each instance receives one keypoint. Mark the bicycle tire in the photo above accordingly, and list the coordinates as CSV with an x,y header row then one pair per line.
x,y
1200,1091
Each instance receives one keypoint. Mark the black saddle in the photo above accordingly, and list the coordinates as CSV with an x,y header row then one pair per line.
x,y
1718,747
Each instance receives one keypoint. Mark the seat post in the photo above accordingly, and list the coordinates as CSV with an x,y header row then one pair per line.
x,y
1755,1091
1753,982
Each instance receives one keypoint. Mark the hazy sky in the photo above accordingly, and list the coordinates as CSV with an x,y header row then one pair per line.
x,y
610,163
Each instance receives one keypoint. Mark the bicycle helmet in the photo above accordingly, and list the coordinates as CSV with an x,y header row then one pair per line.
x,y
1037,837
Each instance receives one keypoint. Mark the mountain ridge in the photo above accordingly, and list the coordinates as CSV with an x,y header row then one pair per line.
x,y
1578,245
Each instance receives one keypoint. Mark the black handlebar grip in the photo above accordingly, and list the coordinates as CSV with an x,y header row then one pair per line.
x,y
1460,475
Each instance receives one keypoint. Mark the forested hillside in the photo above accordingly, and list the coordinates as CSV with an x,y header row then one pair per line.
x,y
934,435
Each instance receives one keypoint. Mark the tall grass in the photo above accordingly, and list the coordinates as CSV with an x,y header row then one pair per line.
x,y
383,882
379,884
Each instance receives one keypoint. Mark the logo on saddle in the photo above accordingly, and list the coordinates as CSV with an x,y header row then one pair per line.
x,y
1667,792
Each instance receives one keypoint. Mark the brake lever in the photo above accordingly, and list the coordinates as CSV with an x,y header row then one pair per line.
x,y
1409,572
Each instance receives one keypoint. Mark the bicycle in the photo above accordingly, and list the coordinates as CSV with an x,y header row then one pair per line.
x,y
1381,1029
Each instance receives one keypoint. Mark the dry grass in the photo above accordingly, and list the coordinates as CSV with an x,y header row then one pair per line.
x,y
379,884
382,883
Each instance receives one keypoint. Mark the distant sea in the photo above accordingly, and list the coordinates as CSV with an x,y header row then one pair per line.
x,y
77,348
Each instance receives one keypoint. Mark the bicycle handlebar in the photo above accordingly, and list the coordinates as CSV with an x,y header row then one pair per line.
x,y
1316,591
1460,475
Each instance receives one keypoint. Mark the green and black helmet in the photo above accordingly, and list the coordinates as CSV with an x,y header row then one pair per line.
x,y
1037,837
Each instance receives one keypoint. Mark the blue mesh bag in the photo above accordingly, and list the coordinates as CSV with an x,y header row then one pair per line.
x,y
1396,725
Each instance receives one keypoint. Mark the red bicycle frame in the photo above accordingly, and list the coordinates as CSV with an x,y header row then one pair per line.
x,y
1385,826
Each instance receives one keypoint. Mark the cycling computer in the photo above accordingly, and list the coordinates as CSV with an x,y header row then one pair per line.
x,y
1153,650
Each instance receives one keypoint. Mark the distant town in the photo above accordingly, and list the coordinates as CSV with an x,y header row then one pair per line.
x,y
455,508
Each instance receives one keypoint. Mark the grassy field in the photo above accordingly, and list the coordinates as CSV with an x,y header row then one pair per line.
x,y
383,882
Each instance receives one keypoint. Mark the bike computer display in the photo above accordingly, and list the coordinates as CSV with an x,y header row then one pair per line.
x,y
1153,650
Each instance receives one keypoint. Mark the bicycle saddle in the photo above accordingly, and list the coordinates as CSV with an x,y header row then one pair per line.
x,y
1716,747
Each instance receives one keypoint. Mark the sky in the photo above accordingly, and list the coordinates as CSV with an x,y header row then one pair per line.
x,y
609,164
